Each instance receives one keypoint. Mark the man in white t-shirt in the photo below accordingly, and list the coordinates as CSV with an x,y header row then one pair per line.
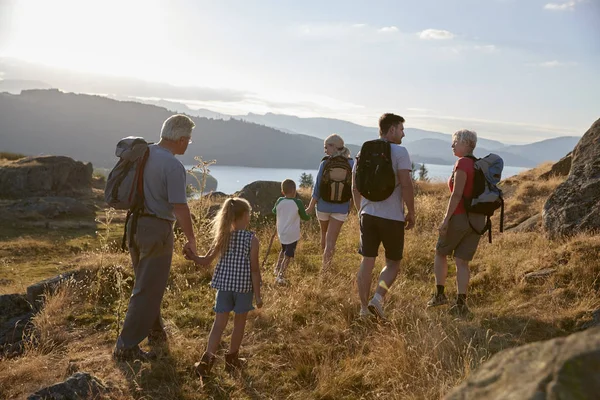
x,y
384,221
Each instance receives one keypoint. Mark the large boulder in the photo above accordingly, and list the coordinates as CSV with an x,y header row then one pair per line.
x,y
45,176
563,368
47,207
78,386
262,195
561,168
575,205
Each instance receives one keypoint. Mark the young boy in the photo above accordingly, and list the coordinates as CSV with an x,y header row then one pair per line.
x,y
289,211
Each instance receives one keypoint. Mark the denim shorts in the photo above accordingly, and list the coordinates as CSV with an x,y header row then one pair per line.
x,y
227,301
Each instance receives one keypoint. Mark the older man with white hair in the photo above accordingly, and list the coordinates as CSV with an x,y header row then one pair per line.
x,y
151,248
456,234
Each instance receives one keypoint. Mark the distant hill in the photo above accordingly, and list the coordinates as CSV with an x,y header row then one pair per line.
x,y
16,85
545,150
88,127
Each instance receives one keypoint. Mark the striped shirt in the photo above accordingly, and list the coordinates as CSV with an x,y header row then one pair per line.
x,y
232,272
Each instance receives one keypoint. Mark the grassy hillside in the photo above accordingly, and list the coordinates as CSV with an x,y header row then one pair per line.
x,y
307,341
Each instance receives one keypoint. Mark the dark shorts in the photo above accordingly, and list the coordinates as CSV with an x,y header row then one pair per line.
x,y
376,230
239,303
461,240
289,249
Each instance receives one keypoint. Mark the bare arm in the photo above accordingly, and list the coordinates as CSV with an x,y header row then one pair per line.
x,y
460,180
408,195
311,205
255,271
184,217
356,196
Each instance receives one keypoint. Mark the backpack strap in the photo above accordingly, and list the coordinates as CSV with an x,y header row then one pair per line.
x,y
138,208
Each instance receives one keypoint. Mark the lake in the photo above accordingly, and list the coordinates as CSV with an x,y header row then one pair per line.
x,y
232,179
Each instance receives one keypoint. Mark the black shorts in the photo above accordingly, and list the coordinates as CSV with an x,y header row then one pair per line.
x,y
289,249
376,230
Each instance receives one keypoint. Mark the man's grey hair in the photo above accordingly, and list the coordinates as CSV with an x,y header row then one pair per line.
x,y
466,137
176,127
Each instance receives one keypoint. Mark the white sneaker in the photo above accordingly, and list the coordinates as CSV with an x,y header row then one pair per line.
x,y
376,308
280,281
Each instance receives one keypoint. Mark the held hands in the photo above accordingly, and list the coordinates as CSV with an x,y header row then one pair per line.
x,y
309,210
190,247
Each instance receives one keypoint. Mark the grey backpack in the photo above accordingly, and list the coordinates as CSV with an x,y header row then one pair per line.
x,y
124,185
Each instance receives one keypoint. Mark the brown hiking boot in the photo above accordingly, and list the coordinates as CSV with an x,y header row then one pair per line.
x,y
205,364
233,362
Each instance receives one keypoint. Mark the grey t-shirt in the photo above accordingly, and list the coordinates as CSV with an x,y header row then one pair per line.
x,y
164,183
392,207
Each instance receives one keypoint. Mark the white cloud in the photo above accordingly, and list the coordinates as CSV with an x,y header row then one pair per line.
x,y
565,6
487,48
388,29
552,64
436,34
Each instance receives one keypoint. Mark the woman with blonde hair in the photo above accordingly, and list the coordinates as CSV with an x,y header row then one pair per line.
x,y
332,194
457,235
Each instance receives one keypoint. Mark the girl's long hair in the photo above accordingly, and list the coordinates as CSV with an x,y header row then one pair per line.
x,y
232,210
338,142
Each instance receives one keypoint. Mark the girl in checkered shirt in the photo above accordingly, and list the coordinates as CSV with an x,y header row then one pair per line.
x,y
236,278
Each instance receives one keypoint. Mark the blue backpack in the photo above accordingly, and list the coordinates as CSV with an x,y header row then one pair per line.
x,y
486,197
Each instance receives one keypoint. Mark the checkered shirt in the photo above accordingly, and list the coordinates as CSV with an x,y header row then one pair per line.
x,y
232,272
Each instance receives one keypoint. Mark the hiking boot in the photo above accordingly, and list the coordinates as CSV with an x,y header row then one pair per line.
x,y
233,362
376,308
157,337
460,310
438,299
133,353
203,367
280,281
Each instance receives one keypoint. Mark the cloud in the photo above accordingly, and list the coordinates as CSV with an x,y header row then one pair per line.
x,y
565,6
486,48
388,29
552,64
436,34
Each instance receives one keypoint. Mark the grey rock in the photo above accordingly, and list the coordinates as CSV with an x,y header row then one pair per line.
x,y
78,386
45,176
561,168
529,225
574,206
49,207
562,368
15,313
36,292
261,195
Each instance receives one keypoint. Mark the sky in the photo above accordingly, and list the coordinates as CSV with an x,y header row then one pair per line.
x,y
517,71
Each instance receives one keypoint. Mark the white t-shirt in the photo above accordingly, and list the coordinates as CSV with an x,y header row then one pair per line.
x,y
392,207
289,211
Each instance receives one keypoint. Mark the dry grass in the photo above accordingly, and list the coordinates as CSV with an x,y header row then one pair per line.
x,y
307,342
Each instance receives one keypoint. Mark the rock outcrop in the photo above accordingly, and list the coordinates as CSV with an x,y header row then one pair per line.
x,y
15,313
45,176
35,208
262,195
78,386
575,205
563,368
561,168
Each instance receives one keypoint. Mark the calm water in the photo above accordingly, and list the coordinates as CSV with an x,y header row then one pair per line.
x,y
232,179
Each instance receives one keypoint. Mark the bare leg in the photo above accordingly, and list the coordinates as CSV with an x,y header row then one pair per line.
x,y
239,324
387,276
440,268
284,265
279,263
462,275
214,339
363,280
324,225
333,232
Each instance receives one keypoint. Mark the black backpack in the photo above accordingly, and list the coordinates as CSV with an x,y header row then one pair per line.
x,y
375,176
336,180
